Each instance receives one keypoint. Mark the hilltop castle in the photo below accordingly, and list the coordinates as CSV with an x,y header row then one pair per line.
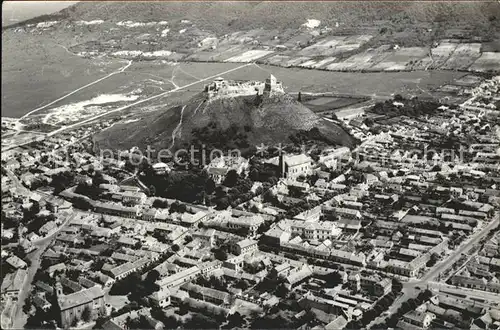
x,y
221,88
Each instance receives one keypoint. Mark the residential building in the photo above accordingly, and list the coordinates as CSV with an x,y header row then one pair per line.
x,y
207,294
180,277
219,167
133,198
160,298
12,284
245,246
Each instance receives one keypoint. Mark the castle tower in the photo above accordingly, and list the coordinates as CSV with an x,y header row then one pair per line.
x,y
272,86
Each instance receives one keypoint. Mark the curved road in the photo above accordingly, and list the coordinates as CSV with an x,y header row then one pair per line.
x,y
144,100
78,89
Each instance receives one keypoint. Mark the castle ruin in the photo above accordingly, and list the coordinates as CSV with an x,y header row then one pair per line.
x,y
221,88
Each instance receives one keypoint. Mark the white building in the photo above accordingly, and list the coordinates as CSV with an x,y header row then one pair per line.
x,y
295,165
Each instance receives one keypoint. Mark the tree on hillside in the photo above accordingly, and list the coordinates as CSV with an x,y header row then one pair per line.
x,y
86,314
220,254
231,178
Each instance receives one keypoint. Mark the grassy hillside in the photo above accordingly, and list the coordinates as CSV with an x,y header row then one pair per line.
x,y
241,15
240,122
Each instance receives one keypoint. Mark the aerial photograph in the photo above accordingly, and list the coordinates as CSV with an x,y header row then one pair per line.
x,y
319,165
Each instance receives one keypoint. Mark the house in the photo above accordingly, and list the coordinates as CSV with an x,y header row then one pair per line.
x,y
133,198
341,212
297,277
12,284
42,303
330,158
191,221
420,319
180,277
338,323
373,284
205,235
127,268
48,229
56,204
161,168
127,241
219,167
276,236
16,262
320,230
74,305
282,270
12,164
207,294
60,267
250,223
245,246
121,321
160,298
295,165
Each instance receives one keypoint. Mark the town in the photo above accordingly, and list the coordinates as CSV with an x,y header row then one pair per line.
x,y
401,231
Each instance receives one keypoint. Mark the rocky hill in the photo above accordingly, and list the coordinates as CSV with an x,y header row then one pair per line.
x,y
236,122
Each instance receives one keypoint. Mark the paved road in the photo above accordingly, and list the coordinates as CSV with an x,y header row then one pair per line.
x,y
490,297
35,258
16,181
441,267
410,288
64,128
144,100
78,89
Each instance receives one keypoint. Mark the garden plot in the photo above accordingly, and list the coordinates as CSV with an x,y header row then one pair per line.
x,y
326,103
323,62
448,88
463,56
468,80
296,61
335,45
441,54
301,39
249,56
204,56
277,60
230,51
307,64
399,59
361,61
488,62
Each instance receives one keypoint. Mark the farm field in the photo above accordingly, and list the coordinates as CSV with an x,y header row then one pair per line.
x,y
294,80
326,103
45,71
488,62
49,71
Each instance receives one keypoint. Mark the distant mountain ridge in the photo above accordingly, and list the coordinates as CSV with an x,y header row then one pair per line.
x,y
219,16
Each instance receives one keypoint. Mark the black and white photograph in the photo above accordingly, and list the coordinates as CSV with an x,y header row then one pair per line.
x,y
310,165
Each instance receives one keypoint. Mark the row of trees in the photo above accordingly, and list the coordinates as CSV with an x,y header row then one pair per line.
x,y
136,288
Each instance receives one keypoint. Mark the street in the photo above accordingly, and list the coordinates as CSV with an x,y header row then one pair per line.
x,y
35,259
490,297
410,288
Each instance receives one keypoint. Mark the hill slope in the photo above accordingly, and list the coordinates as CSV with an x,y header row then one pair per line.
x,y
240,15
238,122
